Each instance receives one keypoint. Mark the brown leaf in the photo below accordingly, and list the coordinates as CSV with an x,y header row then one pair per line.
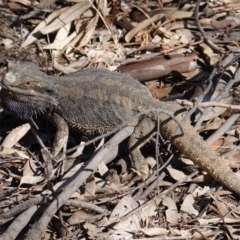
x,y
79,217
14,5
217,144
228,22
154,68
160,92
217,122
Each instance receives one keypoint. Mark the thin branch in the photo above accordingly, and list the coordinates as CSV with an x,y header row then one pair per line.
x,y
207,41
209,104
222,129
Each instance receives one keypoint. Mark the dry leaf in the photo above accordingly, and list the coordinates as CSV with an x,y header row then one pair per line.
x,y
10,151
30,168
88,32
68,177
124,206
154,231
217,144
198,192
217,122
187,205
79,217
90,187
172,211
142,25
31,179
15,135
72,13
61,40
176,174
23,2
160,92
102,168
61,68
34,36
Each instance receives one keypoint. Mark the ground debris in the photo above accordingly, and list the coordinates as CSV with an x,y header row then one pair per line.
x,y
160,44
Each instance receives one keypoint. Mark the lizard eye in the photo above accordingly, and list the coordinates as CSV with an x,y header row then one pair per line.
x,y
27,84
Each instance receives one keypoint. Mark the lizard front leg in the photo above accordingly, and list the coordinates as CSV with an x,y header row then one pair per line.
x,y
143,132
61,137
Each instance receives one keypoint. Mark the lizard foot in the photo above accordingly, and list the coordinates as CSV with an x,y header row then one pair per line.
x,y
143,132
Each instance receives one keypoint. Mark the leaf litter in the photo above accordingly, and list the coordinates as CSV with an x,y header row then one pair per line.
x,y
163,48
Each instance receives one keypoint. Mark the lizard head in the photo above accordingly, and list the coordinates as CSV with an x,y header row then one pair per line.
x,y
26,91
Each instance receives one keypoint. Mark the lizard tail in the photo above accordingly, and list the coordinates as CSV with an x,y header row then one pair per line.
x,y
195,148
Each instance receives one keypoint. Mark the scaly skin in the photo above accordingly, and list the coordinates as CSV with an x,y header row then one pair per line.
x,y
96,101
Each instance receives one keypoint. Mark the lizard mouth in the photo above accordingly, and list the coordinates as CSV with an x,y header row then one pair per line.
x,y
22,106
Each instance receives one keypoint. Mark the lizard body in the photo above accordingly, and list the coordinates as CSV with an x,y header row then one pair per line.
x,y
96,101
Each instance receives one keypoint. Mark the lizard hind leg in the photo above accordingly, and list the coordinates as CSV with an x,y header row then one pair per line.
x,y
143,132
